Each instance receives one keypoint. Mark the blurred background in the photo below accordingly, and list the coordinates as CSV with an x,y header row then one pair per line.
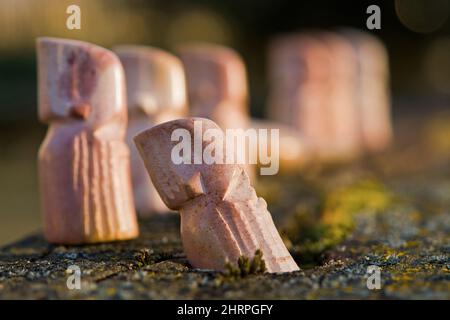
x,y
416,34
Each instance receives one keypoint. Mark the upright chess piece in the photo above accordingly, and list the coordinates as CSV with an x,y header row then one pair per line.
x,y
221,216
299,84
217,87
373,95
84,168
156,93
312,88
344,112
217,84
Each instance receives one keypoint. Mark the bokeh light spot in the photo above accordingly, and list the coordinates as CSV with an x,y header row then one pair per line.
x,y
437,64
422,16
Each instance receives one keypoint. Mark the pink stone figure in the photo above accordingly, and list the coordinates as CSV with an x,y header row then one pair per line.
x,y
221,216
342,97
84,168
156,93
372,89
217,84
217,87
312,88
298,76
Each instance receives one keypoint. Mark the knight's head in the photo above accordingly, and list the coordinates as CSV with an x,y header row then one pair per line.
x,y
215,75
79,81
176,154
155,80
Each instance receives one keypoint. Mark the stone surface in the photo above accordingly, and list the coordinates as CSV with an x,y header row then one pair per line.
x,y
391,211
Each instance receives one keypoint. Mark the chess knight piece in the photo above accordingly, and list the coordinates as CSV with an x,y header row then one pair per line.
x,y
217,87
84,166
221,216
156,92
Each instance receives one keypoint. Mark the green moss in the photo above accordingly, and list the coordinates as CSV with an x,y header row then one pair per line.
x,y
312,233
143,257
341,204
146,257
246,266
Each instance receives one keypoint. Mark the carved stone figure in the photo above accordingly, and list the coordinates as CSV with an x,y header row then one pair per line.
x,y
156,91
84,168
217,87
298,68
373,95
222,218
344,112
313,88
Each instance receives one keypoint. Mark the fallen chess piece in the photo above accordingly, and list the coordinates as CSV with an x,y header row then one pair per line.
x,y
156,93
84,168
217,87
222,219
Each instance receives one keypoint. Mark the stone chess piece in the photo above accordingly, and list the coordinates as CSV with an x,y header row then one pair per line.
x,y
217,87
222,218
156,91
84,168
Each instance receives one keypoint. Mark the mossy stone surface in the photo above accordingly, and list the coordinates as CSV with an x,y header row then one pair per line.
x,y
411,248
390,211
